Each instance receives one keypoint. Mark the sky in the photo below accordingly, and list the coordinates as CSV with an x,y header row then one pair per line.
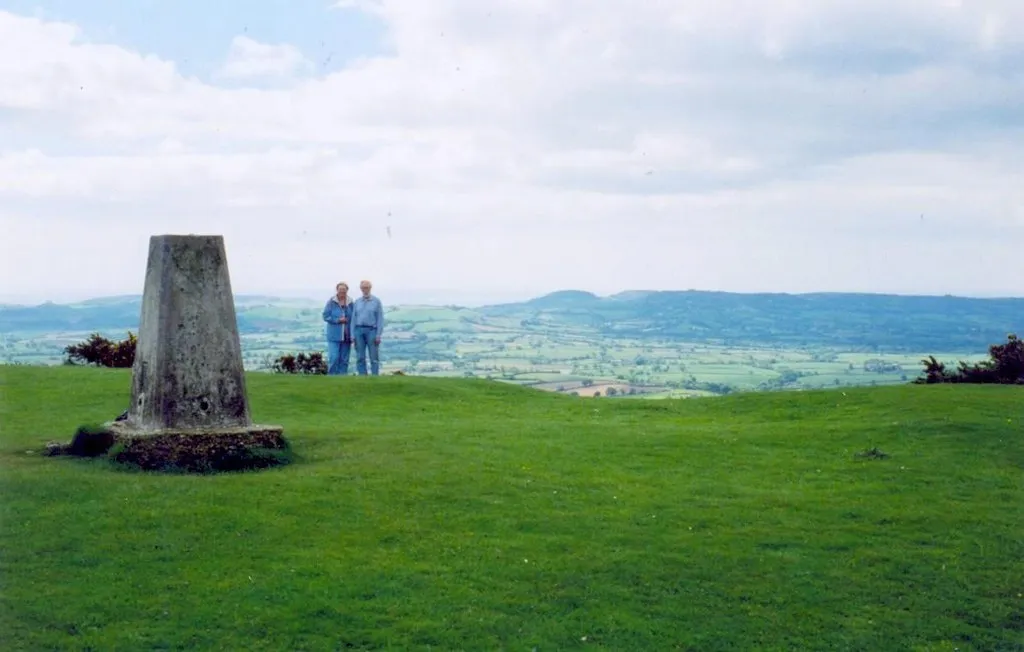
x,y
466,151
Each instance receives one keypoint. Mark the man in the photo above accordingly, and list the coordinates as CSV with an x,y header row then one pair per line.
x,y
367,325
337,314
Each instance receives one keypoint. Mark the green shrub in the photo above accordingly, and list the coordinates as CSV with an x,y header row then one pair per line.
x,y
1005,366
101,352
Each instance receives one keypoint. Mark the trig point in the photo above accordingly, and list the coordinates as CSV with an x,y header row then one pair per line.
x,y
188,385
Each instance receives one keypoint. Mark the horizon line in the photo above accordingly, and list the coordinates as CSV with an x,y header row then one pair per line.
x,y
9,301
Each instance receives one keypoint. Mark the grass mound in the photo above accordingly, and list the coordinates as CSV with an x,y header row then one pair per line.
x,y
460,514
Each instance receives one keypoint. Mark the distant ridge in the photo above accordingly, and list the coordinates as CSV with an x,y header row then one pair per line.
x,y
116,299
639,294
860,321
856,321
564,298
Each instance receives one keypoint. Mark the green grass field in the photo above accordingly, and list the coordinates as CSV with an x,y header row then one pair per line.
x,y
472,515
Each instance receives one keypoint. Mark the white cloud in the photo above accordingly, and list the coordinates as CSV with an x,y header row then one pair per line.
x,y
533,145
250,59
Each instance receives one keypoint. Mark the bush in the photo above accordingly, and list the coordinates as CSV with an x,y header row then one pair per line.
x,y
99,351
1005,366
303,363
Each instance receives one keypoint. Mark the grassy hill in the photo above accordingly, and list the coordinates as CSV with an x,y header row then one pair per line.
x,y
466,514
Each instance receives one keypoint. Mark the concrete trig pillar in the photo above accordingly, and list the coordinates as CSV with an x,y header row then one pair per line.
x,y
188,375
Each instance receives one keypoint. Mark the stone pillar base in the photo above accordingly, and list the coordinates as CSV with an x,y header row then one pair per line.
x,y
199,449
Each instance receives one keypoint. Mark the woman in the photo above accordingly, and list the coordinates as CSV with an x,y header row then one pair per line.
x,y
337,315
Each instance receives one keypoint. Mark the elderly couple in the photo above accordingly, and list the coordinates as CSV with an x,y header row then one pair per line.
x,y
360,320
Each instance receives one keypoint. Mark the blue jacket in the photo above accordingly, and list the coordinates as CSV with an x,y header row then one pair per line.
x,y
333,311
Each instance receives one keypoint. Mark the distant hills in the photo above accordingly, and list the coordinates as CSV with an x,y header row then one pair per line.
x,y
854,321
121,313
869,321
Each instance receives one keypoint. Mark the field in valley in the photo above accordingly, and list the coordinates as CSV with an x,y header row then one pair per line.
x,y
459,342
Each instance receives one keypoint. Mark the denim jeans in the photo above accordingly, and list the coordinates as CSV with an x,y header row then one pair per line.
x,y
364,340
337,358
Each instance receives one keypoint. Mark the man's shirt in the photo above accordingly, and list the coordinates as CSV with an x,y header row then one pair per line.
x,y
368,312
